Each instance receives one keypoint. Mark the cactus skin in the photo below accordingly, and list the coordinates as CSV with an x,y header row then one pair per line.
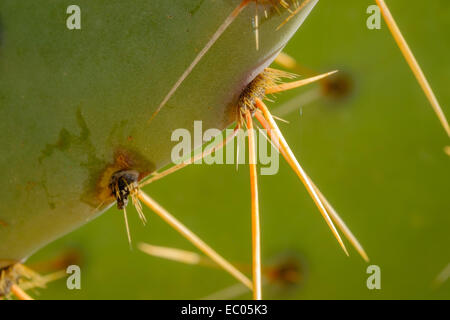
x,y
76,103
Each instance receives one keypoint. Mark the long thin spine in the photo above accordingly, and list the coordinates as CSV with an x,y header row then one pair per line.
x,y
290,158
45,279
193,238
297,10
341,224
296,84
202,52
413,64
286,61
137,204
174,254
20,293
256,25
256,232
331,211
127,227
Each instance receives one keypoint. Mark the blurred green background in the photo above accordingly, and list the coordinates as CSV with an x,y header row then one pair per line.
x,y
377,155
